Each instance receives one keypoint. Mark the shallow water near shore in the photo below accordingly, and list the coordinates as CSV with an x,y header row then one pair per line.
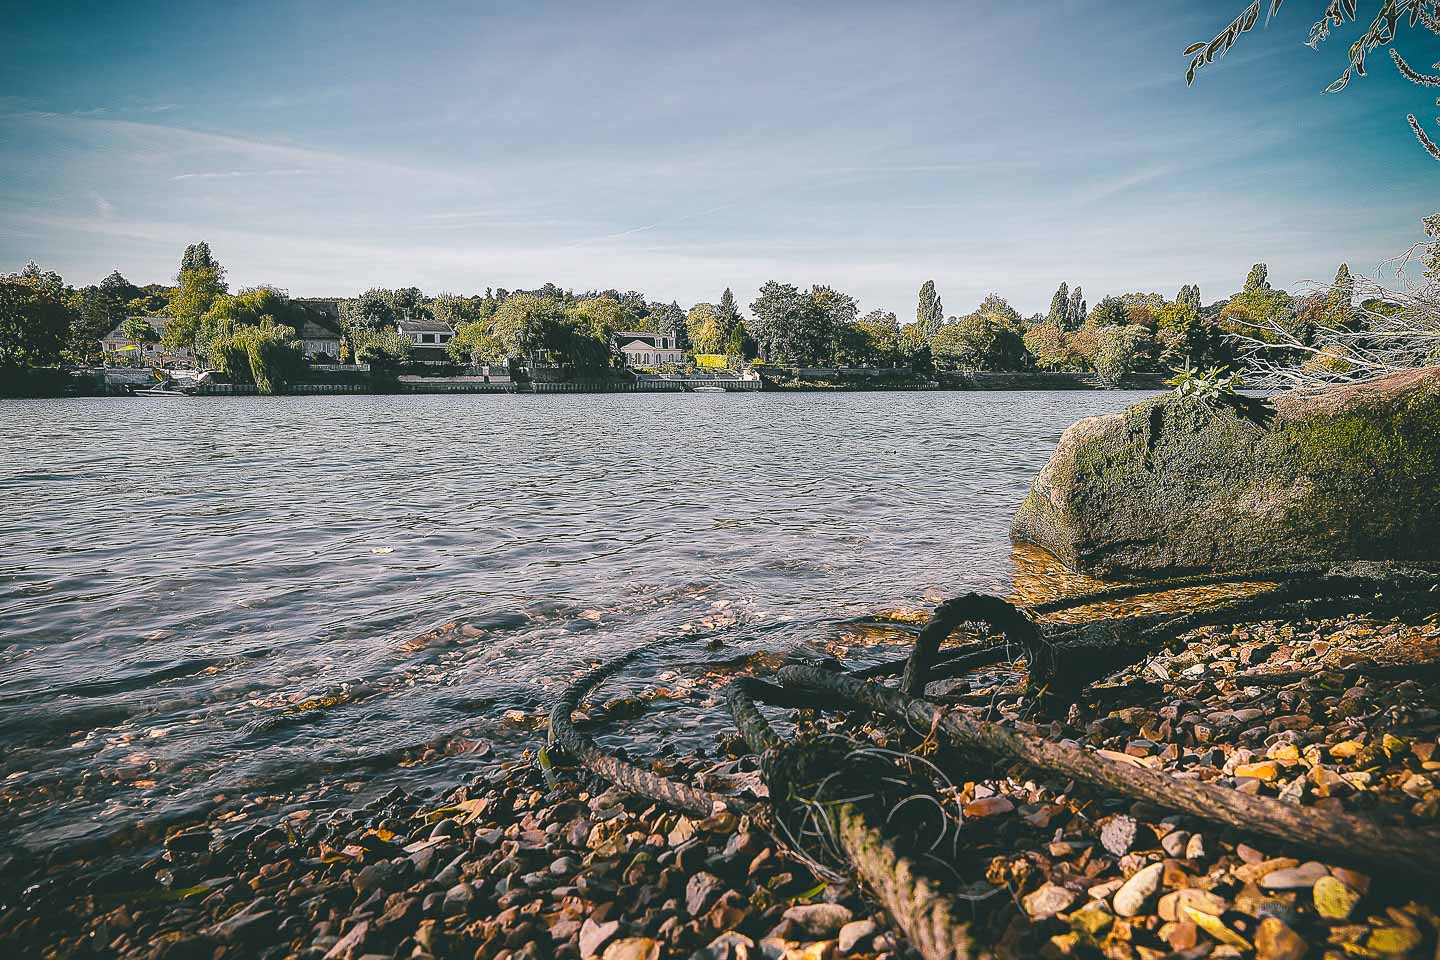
x,y
206,597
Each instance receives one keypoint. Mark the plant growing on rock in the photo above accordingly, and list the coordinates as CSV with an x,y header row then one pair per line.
x,y
1210,385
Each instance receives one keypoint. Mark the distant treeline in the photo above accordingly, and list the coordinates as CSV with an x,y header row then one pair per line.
x,y
252,334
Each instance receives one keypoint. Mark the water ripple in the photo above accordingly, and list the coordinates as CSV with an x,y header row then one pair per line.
x,y
210,596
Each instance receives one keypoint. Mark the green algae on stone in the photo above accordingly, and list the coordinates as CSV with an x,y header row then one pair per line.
x,y
1174,483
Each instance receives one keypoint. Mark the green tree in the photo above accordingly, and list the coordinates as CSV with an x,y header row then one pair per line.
x,y
1262,311
266,354
599,317
1049,345
139,330
1119,351
1180,333
995,305
118,290
93,315
526,323
381,347
455,310
833,312
363,316
474,343
669,320
200,282
881,332
930,312
704,328
983,341
741,346
1340,312
800,327
727,314
1109,312
254,307
778,315
1075,309
1059,304
34,319
197,256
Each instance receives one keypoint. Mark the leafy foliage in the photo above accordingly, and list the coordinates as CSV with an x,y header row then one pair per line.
x,y
1049,347
34,319
1119,351
266,354
1109,312
1075,310
1210,384
985,341
201,281
703,327
930,312
1059,307
799,327
474,343
1384,29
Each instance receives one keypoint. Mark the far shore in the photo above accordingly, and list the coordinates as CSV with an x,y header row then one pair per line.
x,y
127,382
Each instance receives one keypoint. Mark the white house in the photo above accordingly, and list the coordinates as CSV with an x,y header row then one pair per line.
x,y
116,344
319,338
643,349
426,333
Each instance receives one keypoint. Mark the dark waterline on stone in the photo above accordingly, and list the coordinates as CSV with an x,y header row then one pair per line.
x,y
203,597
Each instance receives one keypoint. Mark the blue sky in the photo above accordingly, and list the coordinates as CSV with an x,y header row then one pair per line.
x,y
679,148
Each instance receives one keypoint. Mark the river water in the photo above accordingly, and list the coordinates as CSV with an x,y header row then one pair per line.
x,y
207,598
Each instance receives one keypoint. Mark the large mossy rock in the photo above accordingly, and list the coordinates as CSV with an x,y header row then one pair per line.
x,y
1173,484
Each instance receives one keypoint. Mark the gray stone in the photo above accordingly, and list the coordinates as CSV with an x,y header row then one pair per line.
x,y
702,890
245,926
458,899
1118,835
1131,898
727,946
854,934
594,936
1047,900
817,921
1302,877
1345,473
373,877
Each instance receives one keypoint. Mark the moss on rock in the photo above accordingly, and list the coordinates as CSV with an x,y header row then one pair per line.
x,y
1174,484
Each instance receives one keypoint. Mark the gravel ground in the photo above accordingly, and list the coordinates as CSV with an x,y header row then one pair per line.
x,y
508,867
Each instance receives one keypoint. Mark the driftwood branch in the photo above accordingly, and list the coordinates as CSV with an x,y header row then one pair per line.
x,y
1356,838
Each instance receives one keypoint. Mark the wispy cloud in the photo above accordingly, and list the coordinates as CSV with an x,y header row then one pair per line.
x,y
104,209
232,174
177,142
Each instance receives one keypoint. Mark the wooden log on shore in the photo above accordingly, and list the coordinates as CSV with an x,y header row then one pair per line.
x,y
1362,840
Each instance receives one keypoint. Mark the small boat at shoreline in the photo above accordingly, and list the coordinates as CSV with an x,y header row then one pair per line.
x,y
708,389
169,388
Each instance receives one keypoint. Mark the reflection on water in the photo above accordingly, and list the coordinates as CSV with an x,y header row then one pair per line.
x,y
207,597
1040,578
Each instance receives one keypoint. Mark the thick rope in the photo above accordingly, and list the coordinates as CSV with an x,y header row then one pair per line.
x,y
626,775
915,901
970,608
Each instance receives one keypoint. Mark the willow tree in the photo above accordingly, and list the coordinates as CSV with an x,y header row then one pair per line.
x,y
1390,19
